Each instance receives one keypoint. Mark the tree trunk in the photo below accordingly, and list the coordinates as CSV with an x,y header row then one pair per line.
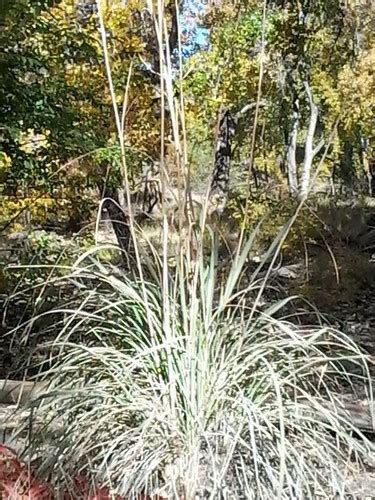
x,y
371,177
368,163
291,149
119,220
117,216
299,184
346,163
223,156
309,147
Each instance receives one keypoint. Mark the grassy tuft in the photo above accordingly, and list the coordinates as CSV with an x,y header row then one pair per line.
x,y
195,392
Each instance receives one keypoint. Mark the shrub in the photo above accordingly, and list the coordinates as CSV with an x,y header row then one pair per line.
x,y
342,277
308,227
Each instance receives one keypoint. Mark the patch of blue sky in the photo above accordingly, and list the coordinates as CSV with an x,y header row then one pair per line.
x,y
195,35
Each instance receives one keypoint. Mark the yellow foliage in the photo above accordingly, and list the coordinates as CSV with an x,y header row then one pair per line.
x,y
326,87
357,87
273,215
5,162
35,208
31,142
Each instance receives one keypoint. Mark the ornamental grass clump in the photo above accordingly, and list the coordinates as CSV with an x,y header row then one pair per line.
x,y
187,389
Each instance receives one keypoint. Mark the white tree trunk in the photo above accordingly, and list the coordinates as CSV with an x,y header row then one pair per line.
x,y
310,151
291,151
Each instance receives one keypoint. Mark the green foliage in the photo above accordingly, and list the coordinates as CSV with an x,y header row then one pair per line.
x,y
227,73
45,114
55,101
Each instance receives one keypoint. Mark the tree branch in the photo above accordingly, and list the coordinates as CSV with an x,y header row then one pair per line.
x,y
319,146
250,107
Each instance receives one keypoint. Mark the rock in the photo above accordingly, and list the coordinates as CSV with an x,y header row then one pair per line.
x,y
289,272
15,391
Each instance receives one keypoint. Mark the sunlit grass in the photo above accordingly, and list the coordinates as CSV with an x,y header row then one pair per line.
x,y
195,393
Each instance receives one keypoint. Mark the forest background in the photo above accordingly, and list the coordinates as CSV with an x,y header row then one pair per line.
x,y
308,65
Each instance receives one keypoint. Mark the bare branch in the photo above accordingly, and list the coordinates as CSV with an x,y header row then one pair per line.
x,y
249,107
319,146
